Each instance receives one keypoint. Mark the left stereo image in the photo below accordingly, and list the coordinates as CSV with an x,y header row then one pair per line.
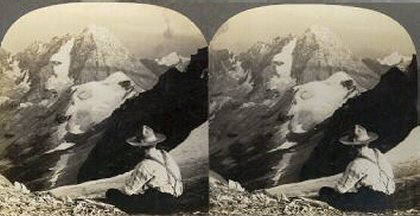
x,y
103,111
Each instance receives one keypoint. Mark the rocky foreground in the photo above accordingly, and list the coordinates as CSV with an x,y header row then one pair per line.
x,y
228,198
16,200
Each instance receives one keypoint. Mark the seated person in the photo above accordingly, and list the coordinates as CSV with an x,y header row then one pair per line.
x,y
155,183
368,180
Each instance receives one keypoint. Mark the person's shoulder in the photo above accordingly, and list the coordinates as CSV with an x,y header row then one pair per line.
x,y
360,163
165,154
146,165
169,157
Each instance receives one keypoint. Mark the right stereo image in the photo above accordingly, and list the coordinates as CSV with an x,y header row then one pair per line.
x,y
313,111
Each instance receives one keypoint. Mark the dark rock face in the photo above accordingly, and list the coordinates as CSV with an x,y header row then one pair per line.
x,y
389,109
174,106
376,66
154,66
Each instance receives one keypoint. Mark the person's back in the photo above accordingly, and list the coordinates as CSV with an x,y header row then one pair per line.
x,y
157,171
369,169
384,174
155,183
367,182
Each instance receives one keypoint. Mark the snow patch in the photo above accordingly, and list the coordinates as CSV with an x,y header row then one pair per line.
x,y
61,147
93,102
248,104
15,73
315,101
25,105
283,65
58,168
25,84
61,80
237,72
285,145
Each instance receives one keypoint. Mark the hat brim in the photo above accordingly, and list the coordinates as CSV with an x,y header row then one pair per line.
x,y
347,141
141,143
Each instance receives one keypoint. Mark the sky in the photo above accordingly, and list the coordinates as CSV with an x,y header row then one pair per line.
x,y
147,31
367,33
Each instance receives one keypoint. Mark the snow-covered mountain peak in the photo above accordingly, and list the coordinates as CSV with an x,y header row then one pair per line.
x,y
174,59
102,37
171,59
96,31
393,59
323,35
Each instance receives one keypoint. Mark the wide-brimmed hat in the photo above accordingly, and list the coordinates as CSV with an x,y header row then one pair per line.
x,y
360,136
146,138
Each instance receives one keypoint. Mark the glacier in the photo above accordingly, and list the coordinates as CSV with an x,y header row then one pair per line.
x,y
94,101
315,101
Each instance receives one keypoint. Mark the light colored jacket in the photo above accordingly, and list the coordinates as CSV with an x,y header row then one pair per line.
x,y
370,169
158,171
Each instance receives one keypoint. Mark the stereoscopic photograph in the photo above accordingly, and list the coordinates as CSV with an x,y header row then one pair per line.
x,y
313,112
103,112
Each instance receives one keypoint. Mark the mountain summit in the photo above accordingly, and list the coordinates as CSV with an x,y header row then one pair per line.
x,y
320,53
97,53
